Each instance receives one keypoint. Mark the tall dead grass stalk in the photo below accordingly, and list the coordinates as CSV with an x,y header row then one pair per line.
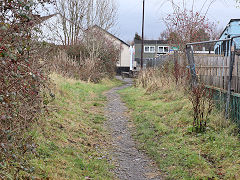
x,y
154,79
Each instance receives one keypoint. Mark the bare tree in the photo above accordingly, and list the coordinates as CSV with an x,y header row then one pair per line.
x,y
187,24
80,26
76,16
70,20
164,35
102,13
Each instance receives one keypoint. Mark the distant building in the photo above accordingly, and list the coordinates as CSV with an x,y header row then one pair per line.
x,y
124,55
232,29
152,49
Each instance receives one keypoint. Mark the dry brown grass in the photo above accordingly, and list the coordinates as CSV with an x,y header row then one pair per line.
x,y
154,79
89,70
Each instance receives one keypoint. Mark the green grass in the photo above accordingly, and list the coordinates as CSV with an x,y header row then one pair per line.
x,y
163,122
71,140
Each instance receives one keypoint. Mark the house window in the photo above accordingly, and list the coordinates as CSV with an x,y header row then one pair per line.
x,y
149,49
163,49
166,49
160,49
152,49
146,49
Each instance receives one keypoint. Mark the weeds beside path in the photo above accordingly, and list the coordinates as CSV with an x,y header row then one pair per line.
x,y
131,163
163,122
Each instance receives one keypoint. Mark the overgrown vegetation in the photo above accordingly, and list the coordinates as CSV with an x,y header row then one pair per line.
x,y
87,52
178,126
173,74
91,60
26,91
22,83
163,121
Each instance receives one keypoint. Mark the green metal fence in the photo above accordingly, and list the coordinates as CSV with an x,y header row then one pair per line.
x,y
220,98
226,101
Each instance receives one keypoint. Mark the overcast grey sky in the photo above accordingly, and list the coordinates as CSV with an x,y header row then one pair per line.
x,y
130,16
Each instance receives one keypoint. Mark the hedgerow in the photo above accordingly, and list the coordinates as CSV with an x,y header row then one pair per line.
x,y
22,82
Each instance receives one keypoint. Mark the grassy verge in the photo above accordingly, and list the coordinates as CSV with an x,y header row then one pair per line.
x,y
163,129
71,140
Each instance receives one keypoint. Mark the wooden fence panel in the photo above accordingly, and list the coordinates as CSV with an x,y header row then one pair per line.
x,y
213,70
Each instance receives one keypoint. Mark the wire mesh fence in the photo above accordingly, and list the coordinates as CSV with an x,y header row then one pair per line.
x,y
154,62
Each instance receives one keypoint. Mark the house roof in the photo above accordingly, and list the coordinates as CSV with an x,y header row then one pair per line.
x,y
96,26
35,20
39,19
151,41
232,20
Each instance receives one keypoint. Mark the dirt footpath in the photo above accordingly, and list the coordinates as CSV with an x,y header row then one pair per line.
x,y
131,163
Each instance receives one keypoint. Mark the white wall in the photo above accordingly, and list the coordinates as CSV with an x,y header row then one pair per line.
x,y
125,56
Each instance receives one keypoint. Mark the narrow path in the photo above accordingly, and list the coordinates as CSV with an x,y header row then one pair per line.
x,y
131,163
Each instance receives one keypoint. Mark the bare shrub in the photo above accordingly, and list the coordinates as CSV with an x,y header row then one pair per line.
x,y
89,70
91,60
64,65
92,70
146,78
103,49
180,72
202,102
153,79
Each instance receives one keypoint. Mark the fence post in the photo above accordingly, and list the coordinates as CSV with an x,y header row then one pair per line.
x,y
191,62
175,57
176,66
231,64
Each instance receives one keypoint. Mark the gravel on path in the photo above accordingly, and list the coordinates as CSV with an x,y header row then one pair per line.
x,y
131,164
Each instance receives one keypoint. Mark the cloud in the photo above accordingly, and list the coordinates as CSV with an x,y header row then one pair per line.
x,y
130,15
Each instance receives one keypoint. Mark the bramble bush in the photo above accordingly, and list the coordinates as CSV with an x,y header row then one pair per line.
x,y
22,80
